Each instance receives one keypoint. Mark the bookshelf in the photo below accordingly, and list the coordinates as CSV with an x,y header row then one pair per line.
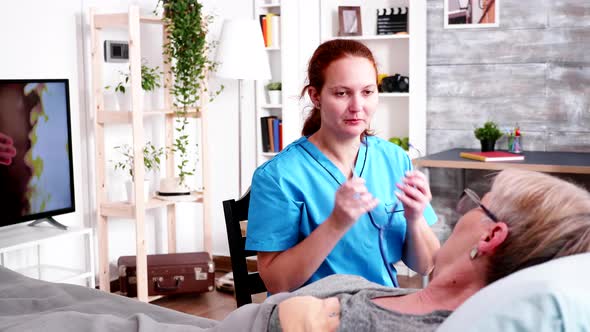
x,y
398,114
135,118
283,57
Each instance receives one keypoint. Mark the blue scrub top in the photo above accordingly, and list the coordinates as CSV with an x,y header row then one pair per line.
x,y
293,193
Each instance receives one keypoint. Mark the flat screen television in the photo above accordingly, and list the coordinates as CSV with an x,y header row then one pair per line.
x,y
36,171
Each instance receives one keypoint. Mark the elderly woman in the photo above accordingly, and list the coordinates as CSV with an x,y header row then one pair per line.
x,y
526,219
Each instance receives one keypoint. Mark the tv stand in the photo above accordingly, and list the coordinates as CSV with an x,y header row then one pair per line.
x,y
51,221
19,239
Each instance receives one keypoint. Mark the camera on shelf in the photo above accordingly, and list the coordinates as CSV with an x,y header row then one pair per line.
x,y
395,83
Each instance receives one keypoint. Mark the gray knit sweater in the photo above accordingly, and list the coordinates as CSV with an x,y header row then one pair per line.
x,y
359,313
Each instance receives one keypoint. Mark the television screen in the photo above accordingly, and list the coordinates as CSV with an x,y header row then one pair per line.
x,y
36,175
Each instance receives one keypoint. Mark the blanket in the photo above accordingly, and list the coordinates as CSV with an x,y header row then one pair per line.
x,y
32,305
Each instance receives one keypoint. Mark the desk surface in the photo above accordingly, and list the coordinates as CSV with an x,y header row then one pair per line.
x,y
551,162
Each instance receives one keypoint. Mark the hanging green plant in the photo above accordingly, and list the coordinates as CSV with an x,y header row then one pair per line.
x,y
187,50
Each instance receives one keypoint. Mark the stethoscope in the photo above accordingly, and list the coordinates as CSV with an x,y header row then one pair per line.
x,y
381,228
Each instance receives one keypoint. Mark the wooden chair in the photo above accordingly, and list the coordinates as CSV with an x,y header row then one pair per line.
x,y
245,283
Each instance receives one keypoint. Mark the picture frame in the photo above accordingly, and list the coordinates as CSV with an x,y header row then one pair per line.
x,y
469,14
349,21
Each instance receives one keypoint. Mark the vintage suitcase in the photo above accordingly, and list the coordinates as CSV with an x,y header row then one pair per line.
x,y
191,272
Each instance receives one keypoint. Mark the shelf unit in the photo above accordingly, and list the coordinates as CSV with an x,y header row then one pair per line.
x,y
398,114
131,21
283,59
20,237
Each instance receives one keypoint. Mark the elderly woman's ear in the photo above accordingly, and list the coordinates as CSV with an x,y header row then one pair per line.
x,y
495,236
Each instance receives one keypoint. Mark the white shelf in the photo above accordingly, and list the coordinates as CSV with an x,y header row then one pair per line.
x,y
374,37
272,106
268,154
21,236
54,273
393,94
270,5
403,53
273,48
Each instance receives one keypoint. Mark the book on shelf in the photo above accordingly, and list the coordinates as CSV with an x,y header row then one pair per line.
x,y
275,24
270,25
270,132
281,135
264,134
269,120
275,134
492,156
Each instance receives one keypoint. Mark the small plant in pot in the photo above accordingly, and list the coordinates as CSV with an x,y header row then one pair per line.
x,y
150,81
274,92
488,135
151,161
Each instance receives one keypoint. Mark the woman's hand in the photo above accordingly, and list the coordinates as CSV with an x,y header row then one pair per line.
x,y
415,195
7,150
352,200
309,314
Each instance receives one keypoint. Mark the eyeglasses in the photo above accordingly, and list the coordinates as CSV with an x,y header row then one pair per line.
x,y
470,200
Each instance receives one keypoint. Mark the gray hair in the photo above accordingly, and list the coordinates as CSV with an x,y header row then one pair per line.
x,y
547,218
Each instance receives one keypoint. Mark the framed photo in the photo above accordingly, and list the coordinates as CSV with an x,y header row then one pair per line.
x,y
461,14
349,19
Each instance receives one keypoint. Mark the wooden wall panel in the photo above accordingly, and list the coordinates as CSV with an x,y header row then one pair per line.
x,y
486,80
569,13
534,70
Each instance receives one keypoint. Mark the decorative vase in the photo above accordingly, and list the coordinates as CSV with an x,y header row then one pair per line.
x,y
488,145
157,99
274,97
131,190
111,101
125,100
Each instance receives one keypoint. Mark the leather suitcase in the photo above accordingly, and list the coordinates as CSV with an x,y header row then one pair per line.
x,y
191,272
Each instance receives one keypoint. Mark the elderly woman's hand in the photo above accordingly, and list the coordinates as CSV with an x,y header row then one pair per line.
x,y
7,150
415,195
309,314
352,200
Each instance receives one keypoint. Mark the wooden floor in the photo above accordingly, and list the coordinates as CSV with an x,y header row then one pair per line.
x,y
216,305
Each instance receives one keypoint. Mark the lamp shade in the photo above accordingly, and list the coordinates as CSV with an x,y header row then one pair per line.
x,y
241,53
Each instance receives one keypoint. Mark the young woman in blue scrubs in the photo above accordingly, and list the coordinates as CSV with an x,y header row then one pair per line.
x,y
340,200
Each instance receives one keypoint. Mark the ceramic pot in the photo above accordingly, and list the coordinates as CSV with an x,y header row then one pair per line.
x,y
130,185
274,97
488,145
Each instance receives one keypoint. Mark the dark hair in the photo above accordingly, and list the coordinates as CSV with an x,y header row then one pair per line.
x,y
323,56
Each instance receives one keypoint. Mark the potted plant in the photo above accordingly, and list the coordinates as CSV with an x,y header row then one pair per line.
x,y
151,161
150,81
187,50
150,85
273,90
488,135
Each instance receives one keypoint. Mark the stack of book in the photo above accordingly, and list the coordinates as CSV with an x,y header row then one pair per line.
x,y
271,29
492,156
271,129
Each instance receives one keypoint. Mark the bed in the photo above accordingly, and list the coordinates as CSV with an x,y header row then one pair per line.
x,y
32,305
554,296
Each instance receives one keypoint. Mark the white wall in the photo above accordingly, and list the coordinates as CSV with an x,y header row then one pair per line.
x,y
40,39
55,44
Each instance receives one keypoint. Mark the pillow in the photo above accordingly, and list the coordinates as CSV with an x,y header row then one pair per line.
x,y
553,296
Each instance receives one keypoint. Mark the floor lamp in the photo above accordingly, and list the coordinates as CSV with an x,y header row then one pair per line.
x,y
241,55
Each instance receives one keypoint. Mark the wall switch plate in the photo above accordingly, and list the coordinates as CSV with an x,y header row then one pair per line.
x,y
116,51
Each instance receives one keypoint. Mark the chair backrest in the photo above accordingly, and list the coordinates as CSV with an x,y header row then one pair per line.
x,y
245,283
